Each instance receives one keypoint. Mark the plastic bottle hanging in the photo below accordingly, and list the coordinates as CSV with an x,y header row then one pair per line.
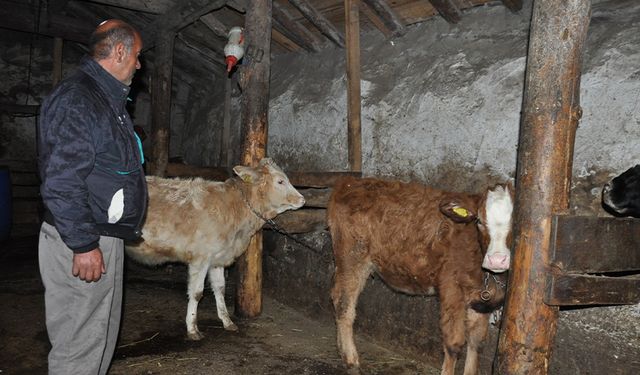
x,y
234,50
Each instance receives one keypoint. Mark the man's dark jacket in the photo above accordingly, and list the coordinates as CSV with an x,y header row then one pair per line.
x,y
90,160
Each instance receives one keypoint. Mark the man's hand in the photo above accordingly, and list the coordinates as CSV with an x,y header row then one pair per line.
x,y
88,266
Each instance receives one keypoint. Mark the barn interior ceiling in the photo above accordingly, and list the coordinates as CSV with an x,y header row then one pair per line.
x,y
201,26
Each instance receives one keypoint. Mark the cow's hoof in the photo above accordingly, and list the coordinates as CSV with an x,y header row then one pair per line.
x,y
231,327
195,336
354,370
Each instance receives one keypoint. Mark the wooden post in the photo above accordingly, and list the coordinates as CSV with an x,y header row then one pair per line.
x,y
225,139
58,44
545,158
161,103
352,32
255,110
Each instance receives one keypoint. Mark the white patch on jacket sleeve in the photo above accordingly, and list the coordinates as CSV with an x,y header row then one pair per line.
x,y
116,208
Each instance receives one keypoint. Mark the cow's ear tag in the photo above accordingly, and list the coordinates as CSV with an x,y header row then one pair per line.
x,y
460,211
247,178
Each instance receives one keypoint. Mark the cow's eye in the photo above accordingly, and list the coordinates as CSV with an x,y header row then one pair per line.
x,y
281,182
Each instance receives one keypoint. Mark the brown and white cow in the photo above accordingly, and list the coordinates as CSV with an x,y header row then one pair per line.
x,y
424,241
207,225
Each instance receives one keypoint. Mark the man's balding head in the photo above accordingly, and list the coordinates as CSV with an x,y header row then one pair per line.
x,y
108,34
115,45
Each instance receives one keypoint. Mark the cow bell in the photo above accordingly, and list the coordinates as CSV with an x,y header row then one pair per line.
x,y
234,50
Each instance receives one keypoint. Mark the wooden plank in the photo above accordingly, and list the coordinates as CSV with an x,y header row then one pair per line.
x,y
354,132
32,109
255,75
282,39
177,17
388,16
375,20
589,244
161,103
215,25
316,198
318,20
582,290
302,221
145,6
448,10
57,61
318,179
545,158
513,5
225,139
22,17
293,30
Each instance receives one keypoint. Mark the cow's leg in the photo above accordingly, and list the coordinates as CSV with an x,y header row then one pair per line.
x,y
452,325
477,327
197,274
216,277
349,280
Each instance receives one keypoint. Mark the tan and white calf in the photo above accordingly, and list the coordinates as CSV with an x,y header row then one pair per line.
x,y
420,240
207,225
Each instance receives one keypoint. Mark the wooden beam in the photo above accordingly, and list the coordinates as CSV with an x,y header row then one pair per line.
x,y
145,6
57,61
182,14
316,198
215,25
22,17
584,290
448,10
161,103
282,40
589,244
319,21
318,179
225,139
188,171
354,132
298,34
375,20
388,16
545,157
301,221
513,5
255,112
32,109
194,44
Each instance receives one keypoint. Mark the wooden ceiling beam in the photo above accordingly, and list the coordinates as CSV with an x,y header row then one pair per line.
x,y
513,5
292,30
179,16
319,21
215,25
24,17
146,6
448,10
387,15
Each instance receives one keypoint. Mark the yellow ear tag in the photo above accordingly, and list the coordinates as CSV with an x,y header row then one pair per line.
x,y
247,178
462,212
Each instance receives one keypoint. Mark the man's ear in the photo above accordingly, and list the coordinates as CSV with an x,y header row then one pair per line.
x,y
457,212
120,52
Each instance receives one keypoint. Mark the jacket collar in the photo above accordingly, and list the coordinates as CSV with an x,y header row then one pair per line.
x,y
108,83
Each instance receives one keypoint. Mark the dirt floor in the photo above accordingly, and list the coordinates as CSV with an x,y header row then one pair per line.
x,y
153,339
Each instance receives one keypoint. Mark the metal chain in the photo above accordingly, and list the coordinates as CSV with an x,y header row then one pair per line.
x,y
276,227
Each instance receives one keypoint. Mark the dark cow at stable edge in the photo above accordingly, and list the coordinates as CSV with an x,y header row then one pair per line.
x,y
422,241
621,195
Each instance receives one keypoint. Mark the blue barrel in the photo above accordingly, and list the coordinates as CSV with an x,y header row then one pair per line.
x,y
5,204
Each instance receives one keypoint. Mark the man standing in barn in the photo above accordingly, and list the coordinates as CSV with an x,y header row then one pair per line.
x,y
94,190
